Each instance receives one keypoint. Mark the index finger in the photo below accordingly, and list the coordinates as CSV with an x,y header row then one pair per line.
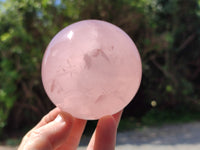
x,y
48,117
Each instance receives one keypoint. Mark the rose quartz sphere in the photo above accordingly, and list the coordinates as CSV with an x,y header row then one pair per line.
x,y
91,69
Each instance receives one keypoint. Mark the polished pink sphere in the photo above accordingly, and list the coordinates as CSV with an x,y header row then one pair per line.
x,y
91,69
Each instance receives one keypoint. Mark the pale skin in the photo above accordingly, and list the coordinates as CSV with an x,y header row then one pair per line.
x,y
59,131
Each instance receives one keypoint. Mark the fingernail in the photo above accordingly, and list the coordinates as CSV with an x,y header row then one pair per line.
x,y
59,119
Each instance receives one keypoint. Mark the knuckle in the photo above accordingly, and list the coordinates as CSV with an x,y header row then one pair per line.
x,y
38,141
34,134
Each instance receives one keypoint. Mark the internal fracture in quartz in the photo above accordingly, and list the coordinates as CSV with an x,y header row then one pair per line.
x,y
91,69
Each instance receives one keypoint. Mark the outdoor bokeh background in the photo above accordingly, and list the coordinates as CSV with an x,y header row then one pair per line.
x,y
166,32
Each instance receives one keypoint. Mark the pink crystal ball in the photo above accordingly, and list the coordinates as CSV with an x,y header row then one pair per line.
x,y
91,69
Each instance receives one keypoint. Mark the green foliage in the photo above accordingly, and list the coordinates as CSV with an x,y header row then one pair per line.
x,y
157,117
129,123
26,28
165,32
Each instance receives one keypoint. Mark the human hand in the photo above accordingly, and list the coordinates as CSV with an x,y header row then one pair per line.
x,y
59,131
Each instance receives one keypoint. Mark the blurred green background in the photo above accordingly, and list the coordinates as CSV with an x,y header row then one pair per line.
x,y
166,32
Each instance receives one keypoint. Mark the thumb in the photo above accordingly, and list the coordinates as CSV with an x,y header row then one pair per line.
x,y
51,135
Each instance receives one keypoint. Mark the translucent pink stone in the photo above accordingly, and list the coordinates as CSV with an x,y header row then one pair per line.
x,y
91,69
